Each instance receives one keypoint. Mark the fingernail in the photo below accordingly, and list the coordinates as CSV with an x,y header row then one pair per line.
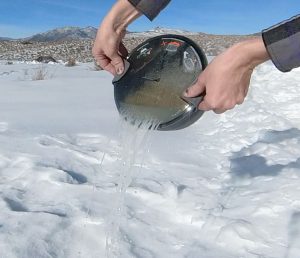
x,y
120,70
186,93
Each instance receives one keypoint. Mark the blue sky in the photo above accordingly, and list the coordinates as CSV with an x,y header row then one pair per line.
x,y
20,18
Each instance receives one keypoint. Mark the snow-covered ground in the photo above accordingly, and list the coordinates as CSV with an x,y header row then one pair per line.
x,y
226,187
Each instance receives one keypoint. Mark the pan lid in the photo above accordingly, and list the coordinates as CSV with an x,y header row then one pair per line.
x,y
156,74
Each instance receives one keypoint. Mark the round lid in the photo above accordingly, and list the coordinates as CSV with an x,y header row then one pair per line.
x,y
157,73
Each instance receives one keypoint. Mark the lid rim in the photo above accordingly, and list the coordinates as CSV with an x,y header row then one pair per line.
x,y
190,114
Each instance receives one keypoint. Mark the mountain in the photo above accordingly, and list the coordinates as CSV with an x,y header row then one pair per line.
x,y
160,31
65,33
4,38
77,33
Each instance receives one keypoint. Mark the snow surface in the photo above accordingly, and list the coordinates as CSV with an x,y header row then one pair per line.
x,y
228,186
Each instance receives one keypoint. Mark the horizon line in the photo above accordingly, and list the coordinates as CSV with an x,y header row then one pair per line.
x,y
128,31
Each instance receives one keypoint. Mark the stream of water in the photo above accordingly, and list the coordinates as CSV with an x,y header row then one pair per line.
x,y
135,140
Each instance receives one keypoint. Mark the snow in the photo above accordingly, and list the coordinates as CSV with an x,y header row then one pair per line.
x,y
228,186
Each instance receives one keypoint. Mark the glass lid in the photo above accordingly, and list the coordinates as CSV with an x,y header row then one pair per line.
x,y
160,70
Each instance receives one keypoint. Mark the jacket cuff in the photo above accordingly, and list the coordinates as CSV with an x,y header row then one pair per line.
x,y
282,42
150,8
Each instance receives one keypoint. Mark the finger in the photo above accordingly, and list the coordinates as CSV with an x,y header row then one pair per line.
x,y
109,68
204,105
117,62
196,89
219,111
123,51
105,64
224,107
240,100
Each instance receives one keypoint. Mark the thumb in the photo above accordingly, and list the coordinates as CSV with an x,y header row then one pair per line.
x,y
118,63
196,89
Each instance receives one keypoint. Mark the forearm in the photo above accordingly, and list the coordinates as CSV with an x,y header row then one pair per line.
x,y
250,53
121,15
283,44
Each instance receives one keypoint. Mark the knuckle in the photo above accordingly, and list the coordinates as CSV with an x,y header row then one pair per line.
x,y
212,103
229,105
117,61
216,105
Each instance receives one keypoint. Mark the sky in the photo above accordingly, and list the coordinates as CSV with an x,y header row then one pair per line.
x,y
21,18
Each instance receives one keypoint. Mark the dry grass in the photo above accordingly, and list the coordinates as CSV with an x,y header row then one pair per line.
x,y
71,62
39,74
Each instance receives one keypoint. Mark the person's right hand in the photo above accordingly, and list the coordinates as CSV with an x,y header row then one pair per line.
x,y
225,81
108,48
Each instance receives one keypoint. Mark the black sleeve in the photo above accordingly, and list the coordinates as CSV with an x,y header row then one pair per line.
x,y
283,43
150,8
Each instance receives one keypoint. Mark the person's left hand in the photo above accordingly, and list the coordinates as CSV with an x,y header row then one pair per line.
x,y
226,79
108,48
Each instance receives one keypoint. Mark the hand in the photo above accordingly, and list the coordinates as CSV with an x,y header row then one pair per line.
x,y
226,79
108,48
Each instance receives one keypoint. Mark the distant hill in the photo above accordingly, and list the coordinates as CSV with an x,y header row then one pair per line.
x,y
159,31
65,43
4,38
65,33
77,33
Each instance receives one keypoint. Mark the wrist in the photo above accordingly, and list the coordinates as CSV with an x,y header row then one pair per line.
x,y
253,51
121,15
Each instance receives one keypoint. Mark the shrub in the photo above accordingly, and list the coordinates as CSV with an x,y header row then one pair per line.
x,y
45,59
71,62
39,74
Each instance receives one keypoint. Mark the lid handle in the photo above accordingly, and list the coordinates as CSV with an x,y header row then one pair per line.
x,y
194,101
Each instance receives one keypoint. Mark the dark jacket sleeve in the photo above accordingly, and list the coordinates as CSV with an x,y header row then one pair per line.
x,y
283,43
150,8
